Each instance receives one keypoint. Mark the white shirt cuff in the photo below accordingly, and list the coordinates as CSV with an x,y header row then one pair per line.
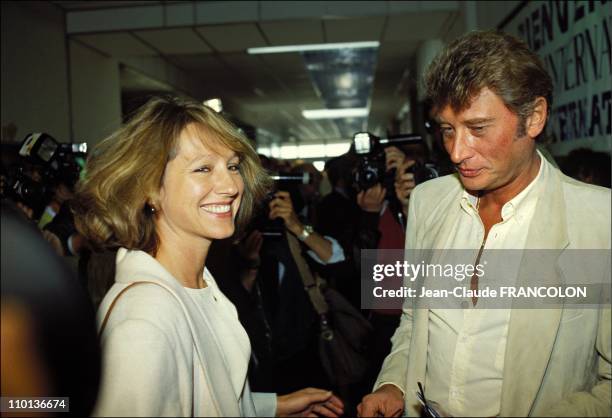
x,y
337,252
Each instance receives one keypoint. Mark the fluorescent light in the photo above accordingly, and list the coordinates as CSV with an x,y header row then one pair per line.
x,y
312,47
215,104
351,112
335,149
311,150
319,165
264,151
288,152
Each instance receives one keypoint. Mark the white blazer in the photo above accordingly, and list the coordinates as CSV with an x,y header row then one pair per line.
x,y
160,354
558,362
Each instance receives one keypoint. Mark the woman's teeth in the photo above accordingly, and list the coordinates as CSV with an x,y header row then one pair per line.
x,y
217,208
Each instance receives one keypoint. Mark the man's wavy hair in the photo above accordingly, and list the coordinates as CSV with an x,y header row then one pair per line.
x,y
124,173
498,61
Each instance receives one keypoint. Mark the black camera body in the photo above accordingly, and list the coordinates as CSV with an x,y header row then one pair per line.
x,y
56,163
275,228
371,168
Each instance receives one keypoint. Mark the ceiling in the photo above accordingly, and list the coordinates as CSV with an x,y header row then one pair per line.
x,y
268,91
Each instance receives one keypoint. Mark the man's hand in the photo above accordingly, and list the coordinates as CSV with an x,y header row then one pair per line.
x,y
394,157
371,200
282,207
404,183
387,401
309,402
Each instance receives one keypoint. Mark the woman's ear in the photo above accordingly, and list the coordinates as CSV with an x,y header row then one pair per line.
x,y
152,203
537,120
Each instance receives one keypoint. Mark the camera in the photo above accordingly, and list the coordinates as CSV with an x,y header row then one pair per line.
x,y
53,162
289,182
371,166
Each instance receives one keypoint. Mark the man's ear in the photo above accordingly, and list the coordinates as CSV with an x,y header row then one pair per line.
x,y
537,120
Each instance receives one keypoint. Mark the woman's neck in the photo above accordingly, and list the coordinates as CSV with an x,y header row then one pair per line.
x,y
184,261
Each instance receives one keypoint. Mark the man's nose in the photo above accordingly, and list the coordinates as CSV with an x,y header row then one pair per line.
x,y
458,148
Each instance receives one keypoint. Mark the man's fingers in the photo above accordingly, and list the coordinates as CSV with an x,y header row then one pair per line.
x,y
382,194
282,195
369,409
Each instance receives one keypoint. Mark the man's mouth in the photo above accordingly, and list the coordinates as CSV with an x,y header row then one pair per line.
x,y
469,172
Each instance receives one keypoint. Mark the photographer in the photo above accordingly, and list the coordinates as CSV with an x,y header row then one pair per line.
x,y
265,284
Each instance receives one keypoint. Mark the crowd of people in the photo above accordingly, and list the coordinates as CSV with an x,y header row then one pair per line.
x,y
187,250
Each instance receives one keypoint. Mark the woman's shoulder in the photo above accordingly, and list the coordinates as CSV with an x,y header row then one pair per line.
x,y
145,302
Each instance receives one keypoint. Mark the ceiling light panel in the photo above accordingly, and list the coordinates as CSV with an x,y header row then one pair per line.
x,y
314,114
312,47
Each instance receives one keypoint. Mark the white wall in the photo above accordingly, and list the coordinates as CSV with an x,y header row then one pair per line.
x,y
34,77
96,94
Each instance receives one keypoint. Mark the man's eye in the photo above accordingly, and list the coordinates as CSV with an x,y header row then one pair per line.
x,y
446,132
478,129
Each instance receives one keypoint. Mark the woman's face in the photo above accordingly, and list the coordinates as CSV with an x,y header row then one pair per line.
x,y
201,189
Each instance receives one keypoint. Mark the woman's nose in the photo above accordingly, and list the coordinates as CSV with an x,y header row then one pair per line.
x,y
226,183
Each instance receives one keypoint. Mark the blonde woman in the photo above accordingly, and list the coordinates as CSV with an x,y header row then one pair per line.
x,y
176,177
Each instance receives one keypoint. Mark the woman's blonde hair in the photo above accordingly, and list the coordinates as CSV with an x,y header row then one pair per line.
x,y
125,172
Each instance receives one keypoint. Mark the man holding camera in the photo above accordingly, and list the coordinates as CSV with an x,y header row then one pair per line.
x,y
491,97
278,314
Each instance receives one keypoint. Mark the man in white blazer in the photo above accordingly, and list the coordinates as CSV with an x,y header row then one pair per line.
x,y
491,97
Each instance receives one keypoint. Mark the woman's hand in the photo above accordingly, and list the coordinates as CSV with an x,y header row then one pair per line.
x,y
309,402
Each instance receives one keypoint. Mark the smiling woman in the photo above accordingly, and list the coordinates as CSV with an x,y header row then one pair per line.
x,y
176,177
125,172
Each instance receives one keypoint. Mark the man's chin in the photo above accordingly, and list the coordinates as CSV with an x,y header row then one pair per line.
x,y
473,184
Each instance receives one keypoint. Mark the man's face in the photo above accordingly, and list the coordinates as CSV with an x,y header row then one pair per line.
x,y
482,142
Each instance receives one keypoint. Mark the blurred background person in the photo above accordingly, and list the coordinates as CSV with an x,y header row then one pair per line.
x,y
49,342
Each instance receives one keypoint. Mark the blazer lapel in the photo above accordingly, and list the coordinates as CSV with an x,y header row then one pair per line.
x,y
531,332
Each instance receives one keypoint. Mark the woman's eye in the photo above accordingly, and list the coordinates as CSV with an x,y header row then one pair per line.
x,y
204,169
234,167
